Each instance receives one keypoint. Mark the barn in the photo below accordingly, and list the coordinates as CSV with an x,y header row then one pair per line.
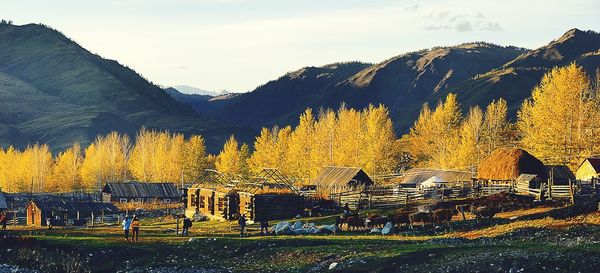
x,y
62,212
560,174
589,168
505,165
215,198
140,192
269,196
334,180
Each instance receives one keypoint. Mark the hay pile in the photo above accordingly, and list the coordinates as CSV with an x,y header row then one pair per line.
x,y
509,163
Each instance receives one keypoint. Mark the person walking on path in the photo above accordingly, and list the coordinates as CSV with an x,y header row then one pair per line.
x,y
135,225
242,223
126,226
187,224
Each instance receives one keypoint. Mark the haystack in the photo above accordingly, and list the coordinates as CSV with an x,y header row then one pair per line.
x,y
508,163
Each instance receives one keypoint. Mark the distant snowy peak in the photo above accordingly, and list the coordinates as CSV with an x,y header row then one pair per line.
x,y
186,89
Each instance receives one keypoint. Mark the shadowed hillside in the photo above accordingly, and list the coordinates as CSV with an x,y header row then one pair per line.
x,y
54,91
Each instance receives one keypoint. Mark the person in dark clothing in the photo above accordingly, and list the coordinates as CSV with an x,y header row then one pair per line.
x,y
264,225
242,223
346,209
187,224
3,220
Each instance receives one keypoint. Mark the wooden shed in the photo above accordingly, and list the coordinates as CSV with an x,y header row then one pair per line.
x,y
589,168
140,192
214,198
560,174
61,211
333,180
269,196
505,165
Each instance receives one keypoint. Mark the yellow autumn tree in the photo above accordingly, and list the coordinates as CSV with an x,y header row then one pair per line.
x,y
232,160
559,123
66,174
194,158
434,133
299,163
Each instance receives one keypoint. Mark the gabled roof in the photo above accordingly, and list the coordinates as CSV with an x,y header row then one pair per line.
x,y
419,175
594,161
560,173
342,177
2,201
63,205
141,190
269,180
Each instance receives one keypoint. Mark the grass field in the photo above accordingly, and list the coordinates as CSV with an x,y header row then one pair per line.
x,y
522,241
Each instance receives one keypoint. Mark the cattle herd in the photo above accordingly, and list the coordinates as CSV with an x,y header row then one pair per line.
x,y
437,213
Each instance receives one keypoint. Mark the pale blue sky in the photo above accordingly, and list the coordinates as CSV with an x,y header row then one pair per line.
x,y
239,44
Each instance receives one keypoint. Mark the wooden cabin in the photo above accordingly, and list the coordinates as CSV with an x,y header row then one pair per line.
x,y
61,212
505,165
269,196
140,192
589,169
214,198
333,180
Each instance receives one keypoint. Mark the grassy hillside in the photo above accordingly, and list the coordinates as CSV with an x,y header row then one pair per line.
x,y
54,91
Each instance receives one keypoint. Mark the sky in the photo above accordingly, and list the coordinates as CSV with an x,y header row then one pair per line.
x,y
238,45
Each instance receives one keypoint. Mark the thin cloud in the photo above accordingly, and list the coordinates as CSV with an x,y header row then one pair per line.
x,y
459,22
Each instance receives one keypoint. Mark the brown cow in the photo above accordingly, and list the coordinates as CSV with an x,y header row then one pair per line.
x,y
401,217
376,221
485,212
443,215
355,223
423,217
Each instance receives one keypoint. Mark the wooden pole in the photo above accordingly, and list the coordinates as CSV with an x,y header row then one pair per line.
x,y
571,192
177,225
93,219
102,217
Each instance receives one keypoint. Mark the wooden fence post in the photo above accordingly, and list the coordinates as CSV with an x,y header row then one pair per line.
x,y
571,192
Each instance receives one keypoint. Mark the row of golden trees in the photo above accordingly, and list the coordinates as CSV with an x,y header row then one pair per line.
x,y
559,124
346,137
154,157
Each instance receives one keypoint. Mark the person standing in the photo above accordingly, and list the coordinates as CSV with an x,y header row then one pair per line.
x,y
264,225
242,223
3,220
135,225
187,224
126,226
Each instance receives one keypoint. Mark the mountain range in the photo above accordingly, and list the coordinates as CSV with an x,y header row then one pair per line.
x,y
54,91
477,72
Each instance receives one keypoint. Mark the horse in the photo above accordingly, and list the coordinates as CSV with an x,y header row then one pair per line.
x,y
423,217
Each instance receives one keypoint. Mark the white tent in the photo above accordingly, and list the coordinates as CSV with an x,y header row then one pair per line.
x,y
433,182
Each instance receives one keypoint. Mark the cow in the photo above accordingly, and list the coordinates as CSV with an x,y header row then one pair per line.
x,y
423,217
443,215
343,219
401,217
485,212
376,221
355,223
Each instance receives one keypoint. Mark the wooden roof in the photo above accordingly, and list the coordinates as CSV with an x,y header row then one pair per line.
x,y
342,177
2,201
64,205
419,175
141,190
560,173
268,181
